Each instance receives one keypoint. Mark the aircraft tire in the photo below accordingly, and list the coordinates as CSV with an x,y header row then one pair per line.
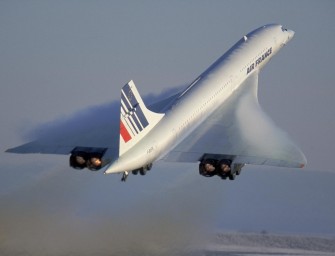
x,y
149,166
232,176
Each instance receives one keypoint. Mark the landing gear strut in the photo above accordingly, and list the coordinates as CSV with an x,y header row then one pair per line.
x,y
142,171
124,176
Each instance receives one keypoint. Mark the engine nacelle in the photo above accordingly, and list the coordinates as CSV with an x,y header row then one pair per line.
x,y
207,168
91,158
211,167
224,168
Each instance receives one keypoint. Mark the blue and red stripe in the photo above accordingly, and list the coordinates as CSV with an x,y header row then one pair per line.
x,y
124,132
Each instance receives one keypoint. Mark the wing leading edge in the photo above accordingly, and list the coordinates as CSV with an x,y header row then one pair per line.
x,y
241,131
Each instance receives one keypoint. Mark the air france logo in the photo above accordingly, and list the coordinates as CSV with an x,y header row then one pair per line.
x,y
259,60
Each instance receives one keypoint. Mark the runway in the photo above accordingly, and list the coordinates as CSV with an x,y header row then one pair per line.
x,y
250,244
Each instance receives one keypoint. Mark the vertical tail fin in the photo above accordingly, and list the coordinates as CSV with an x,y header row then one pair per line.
x,y
135,119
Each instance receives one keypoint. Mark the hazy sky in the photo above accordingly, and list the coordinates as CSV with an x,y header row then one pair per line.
x,y
59,58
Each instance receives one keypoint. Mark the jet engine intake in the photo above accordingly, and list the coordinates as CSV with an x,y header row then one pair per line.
x,y
208,167
90,158
224,168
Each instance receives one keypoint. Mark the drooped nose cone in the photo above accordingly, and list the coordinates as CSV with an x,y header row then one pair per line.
x,y
290,35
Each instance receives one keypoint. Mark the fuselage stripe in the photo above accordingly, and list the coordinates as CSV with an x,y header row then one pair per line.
x,y
131,121
127,122
129,95
132,107
137,122
124,133
125,102
141,116
132,114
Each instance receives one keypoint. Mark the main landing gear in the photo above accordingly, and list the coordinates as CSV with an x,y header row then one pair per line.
x,y
142,171
223,168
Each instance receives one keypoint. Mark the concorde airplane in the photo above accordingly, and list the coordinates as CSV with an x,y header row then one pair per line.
x,y
216,121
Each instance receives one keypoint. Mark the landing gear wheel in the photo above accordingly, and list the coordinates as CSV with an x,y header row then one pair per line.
x,y
135,172
207,168
143,171
149,166
238,168
224,177
232,176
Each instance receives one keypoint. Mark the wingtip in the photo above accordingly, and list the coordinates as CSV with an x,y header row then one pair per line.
x,y
10,150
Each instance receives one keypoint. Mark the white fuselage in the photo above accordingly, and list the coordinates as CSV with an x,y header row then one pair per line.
x,y
208,91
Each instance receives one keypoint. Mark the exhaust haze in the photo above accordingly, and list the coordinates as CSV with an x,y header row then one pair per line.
x,y
63,211
71,214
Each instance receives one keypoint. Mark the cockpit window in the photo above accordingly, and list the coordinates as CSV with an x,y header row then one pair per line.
x,y
283,29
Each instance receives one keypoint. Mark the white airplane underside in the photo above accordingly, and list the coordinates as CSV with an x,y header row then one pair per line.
x,y
216,122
